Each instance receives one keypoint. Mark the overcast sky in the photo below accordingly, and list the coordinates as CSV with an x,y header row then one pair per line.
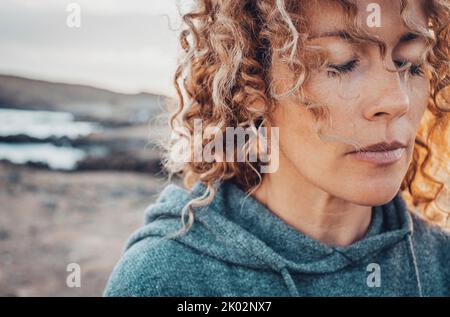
x,y
122,45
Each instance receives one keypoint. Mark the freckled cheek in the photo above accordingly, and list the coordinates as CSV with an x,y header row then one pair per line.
x,y
338,93
298,136
419,94
309,155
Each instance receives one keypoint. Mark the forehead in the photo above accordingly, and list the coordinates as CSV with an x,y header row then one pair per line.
x,y
327,16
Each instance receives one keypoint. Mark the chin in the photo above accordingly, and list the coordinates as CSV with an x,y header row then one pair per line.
x,y
373,193
375,196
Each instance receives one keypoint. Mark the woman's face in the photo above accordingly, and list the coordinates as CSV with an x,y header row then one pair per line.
x,y
367,104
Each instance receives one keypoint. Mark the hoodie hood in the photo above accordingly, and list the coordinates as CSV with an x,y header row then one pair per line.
x,y
237,229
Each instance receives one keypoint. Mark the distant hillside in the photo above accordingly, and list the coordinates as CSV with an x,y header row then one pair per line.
x,y
83,101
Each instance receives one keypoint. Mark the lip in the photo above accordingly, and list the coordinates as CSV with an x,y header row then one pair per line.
x,y
382,153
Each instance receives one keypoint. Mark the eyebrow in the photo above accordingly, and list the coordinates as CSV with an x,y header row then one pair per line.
x,y
405,38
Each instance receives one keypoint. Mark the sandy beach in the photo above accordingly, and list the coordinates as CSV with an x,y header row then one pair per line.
x,y
50,219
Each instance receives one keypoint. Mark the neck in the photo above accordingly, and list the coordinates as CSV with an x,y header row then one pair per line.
x,y
313,211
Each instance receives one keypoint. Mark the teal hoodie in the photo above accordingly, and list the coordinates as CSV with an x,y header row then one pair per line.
x,y
237,247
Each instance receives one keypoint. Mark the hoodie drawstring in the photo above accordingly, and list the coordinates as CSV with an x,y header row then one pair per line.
x,y
412,254
289,282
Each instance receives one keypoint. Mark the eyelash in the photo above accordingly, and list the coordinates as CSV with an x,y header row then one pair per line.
x,y
342,69
414,69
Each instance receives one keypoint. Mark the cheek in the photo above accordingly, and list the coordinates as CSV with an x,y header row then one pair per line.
x,y
303,139
341,98
419,92
296,128
300,143
340,95
334,92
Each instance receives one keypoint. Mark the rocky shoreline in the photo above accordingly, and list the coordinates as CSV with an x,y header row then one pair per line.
x,y
124,123
52,218
112,149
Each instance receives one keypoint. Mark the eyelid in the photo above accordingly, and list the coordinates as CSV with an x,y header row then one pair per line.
x,y
354,60
348,59
344,64
342,69
403,65
415,54
409,66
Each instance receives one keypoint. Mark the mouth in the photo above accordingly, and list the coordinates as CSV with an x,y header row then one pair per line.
x,y
380,153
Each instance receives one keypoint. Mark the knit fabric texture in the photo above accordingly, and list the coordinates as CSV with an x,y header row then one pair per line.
x,y
237,247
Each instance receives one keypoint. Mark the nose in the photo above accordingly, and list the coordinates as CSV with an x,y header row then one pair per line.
x,y
390,96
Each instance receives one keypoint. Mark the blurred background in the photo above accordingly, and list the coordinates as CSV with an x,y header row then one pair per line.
x,y
83,90
82,87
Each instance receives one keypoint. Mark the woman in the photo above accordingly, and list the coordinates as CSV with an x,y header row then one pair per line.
x,y
356,94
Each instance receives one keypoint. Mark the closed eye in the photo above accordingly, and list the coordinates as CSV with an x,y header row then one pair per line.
x,y
339,69
413,69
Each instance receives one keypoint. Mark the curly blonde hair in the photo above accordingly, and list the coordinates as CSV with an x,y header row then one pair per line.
x,y
228,49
